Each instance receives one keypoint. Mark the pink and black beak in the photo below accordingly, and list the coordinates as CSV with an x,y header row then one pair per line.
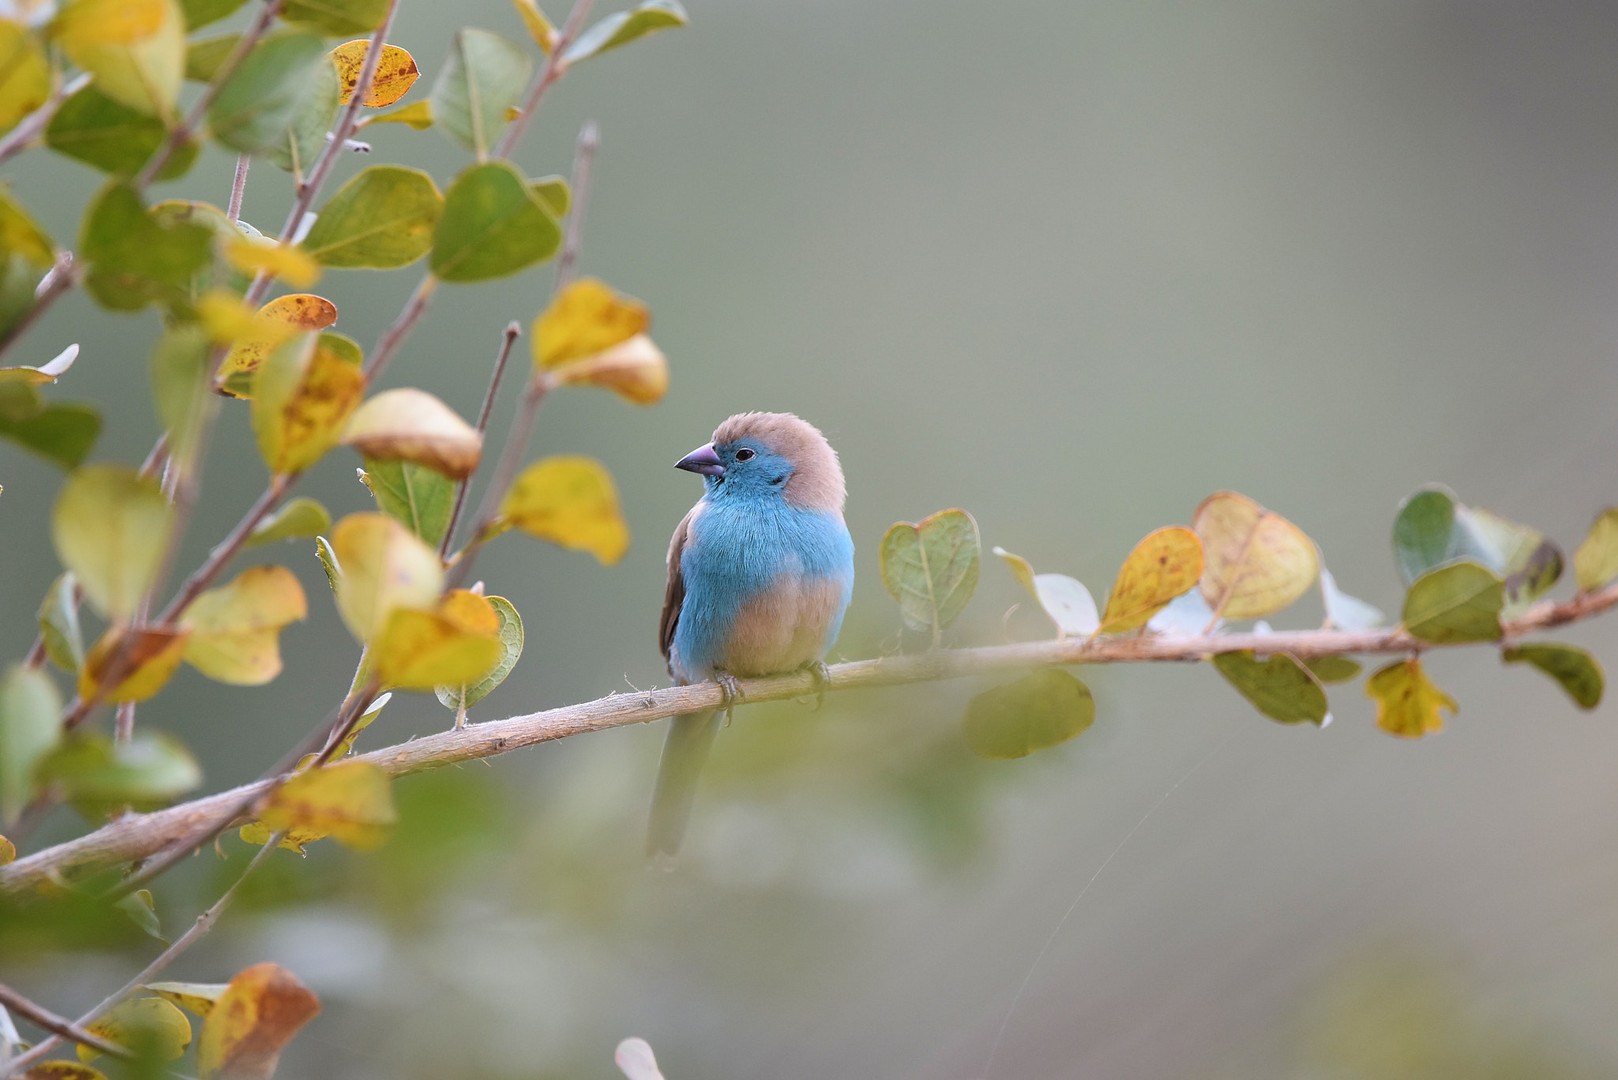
x,y
703,460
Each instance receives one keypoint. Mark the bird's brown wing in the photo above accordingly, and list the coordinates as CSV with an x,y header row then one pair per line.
x,y
674,591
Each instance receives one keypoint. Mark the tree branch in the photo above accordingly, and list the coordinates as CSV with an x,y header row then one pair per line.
x,y
554,69
512,332
58,280
140,835
59,1026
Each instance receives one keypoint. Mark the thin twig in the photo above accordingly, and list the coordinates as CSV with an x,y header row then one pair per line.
x,y
555,67
512,332
505,472
204,923
238,187
138,836
57,282
394,335
223,551
35,122
193,119
59,1026
584,155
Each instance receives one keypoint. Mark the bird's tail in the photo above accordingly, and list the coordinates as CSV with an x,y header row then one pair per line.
x,y
685,752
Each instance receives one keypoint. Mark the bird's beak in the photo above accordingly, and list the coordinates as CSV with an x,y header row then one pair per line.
x,y
704,460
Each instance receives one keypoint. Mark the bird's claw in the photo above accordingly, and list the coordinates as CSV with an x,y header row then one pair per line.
x,y
822,676
730,691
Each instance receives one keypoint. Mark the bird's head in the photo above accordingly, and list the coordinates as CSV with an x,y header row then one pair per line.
x,y
770,455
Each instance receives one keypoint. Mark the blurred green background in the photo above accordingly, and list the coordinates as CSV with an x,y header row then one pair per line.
x,y
1071,267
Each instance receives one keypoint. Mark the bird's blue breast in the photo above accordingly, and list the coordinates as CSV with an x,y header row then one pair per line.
x,y
766,587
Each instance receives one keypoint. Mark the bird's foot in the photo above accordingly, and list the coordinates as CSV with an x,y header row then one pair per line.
x,y
730,691
822,677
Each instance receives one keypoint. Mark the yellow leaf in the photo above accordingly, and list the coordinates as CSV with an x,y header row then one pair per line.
x,y
255,1017
235,630
539,27
351,801
395,72
1408,704
8,851
1258,561
110,527
456,643
25,74
385,567
197,998
635,370
108,22
1162,566
413,425
254,336
63,1070
285,261
20,234
586,318
570,501
416,115
47,372
302,398
135,49
150,1023
153,655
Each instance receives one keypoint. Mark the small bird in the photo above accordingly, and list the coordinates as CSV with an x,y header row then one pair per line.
x,y
760,573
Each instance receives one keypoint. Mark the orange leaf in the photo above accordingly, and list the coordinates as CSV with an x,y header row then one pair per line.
x,y
276,322
252,1021
395,72
153,655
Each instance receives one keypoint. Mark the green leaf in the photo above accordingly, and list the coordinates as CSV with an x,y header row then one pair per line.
x,y
142,912
492,226
106,135
305,135
61,433
483,77
25,74
931,568
59,624
455,698
30,726
300,518
110,527
554,193
328,562
1333,669
413,494
1421,532
1037,711
204,58
1279,687
1578,672
625,26
18,277
1455,603
270,89
1408,704
337,17
1596,561
381,219
199,13
180,389
133,259
97,776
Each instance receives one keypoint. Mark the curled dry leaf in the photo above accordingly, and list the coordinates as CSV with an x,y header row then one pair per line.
x,y
385,567
47,372
571,501
396,72
235,630
1165,564
256,1016
412,425
635,370
196,998
302,398
1258,562
149,656
456,643
275,323
1066,600
351,801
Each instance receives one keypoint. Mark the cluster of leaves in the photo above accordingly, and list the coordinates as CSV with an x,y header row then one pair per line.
x,y
1467,573
101,82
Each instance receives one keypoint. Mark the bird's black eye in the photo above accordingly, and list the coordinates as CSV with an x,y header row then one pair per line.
x,y
744,454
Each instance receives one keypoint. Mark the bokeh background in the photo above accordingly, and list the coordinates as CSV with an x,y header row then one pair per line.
x,y
1072,267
